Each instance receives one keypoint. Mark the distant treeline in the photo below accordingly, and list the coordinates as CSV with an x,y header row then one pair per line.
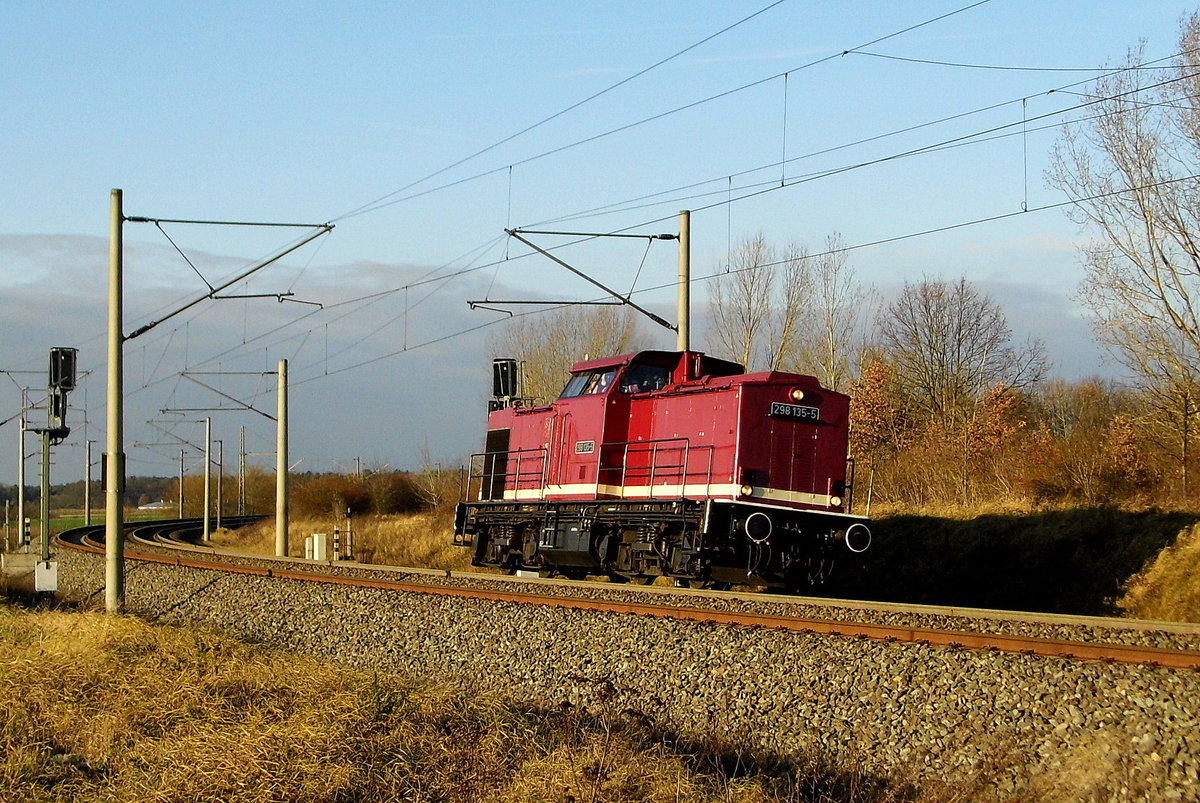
x,y
386,492
138,491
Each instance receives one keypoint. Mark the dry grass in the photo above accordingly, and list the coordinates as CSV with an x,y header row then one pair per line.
x,y
1168,589
417,539
106,708
957,512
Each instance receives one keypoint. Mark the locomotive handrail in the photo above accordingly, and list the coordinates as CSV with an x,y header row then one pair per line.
x,y
851,468
542,480
652,447
488,472
506,470
654,465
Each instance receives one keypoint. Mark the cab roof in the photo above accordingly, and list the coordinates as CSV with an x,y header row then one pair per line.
x,y
701,364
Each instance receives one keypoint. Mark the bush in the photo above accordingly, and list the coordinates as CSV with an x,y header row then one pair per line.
x,y
326,494
381,493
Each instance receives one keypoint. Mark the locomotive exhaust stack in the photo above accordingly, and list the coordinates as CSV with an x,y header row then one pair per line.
x,y
506,384
670,464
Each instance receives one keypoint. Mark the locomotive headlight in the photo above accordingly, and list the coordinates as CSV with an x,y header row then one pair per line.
x,y
797,395
835,501
747,490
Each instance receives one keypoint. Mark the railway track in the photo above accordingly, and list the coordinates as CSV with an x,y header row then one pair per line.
x,y
171,542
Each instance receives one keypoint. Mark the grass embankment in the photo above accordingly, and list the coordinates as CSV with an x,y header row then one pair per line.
x,y
103,708
1168,588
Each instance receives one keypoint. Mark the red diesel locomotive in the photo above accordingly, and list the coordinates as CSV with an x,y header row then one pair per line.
x,y
666,464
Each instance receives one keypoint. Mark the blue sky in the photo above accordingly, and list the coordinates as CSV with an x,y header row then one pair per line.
x,y
305,112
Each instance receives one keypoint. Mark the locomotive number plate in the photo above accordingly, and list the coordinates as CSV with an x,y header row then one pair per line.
x,y
795,412
585,447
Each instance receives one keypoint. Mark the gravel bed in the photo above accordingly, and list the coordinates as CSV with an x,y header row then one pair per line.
x,y
1023,727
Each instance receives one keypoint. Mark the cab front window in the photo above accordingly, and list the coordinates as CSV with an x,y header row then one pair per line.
x,y
589,383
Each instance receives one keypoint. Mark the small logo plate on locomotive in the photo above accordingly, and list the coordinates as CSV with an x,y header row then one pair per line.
x,y
585,447
794,411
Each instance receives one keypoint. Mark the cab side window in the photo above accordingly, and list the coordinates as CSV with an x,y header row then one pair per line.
x,y
644,378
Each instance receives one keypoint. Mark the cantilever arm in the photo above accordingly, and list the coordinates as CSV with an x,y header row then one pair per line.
x,y
582,275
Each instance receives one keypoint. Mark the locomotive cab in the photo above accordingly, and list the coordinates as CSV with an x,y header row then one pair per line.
x,y
667,464
645,372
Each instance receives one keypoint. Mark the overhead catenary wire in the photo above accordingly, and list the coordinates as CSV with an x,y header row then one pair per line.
x,y
821,174
770,186
718,96
1064,89
981,135
708,277
727,179
999,67
773,184
391,200
372,205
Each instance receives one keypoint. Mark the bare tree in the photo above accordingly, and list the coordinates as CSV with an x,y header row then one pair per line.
x,y
837,307
948,344
436,485
787,324
742,302
1134,170
549,343
787,309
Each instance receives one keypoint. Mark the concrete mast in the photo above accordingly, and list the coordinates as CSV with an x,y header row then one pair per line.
x,y
114,469
21,473
281,465
683,316
207,478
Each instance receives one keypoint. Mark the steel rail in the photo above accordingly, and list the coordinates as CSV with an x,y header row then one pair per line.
x,y
1023,645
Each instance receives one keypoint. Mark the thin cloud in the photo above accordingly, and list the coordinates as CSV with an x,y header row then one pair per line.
x,y
543,34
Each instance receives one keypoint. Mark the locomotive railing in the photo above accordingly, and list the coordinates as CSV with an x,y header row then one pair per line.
x,y
655,469
851,467
501,472
664,468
